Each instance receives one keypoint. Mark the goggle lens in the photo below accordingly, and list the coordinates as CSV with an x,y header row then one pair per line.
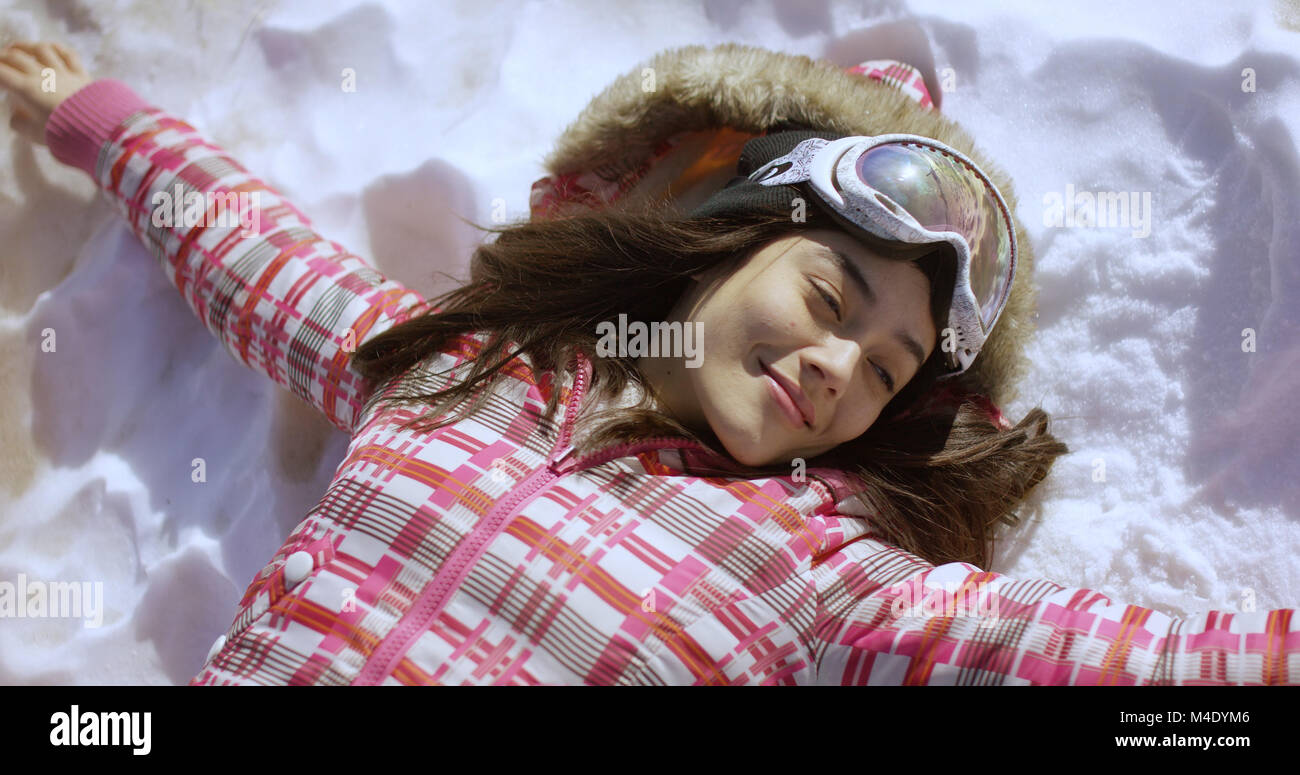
x,y
943,193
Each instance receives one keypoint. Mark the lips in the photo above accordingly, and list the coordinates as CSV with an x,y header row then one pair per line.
x,y
794,398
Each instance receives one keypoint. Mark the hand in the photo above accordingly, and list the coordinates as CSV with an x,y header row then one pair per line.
x,y
37,77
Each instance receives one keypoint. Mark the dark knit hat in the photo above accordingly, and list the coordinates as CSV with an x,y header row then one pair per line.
x,y
740,194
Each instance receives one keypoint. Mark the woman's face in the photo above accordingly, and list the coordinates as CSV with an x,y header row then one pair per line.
x,y
801,348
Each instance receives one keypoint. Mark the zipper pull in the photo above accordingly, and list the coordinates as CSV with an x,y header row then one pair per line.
x,y
563,460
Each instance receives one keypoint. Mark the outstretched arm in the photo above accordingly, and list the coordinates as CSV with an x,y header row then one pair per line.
x,y
888,617
282,299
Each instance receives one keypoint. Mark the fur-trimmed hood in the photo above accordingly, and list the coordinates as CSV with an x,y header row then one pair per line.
x,y
674,126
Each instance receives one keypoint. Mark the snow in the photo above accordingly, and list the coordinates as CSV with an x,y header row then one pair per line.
x,y
1182,488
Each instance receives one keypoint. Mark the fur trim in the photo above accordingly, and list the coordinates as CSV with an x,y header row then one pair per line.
x,y
749,89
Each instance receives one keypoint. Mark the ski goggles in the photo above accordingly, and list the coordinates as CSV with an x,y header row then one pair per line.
x,y
917,190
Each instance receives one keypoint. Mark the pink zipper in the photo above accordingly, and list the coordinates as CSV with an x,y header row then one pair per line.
x,y
434,597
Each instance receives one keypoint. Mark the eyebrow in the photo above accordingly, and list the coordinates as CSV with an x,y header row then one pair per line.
x,y
851,269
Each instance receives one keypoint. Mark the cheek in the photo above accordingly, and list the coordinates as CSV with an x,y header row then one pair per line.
x,y
766,314
734,325
856,418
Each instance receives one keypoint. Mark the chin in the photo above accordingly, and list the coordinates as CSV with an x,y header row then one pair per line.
x,y
746,449
739,426
756,454
753,461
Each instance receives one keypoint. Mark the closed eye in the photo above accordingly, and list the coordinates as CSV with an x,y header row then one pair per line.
x,y
835,307
884,377
829,299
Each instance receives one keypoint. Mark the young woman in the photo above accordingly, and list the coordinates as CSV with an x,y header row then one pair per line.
x,y
798,485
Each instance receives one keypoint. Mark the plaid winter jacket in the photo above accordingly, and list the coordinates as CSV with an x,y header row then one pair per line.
x,y
486,552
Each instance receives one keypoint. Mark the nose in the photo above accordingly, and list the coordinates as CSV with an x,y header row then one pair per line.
x,y
834,363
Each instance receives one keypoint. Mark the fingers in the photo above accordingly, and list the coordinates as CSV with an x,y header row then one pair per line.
x,y
34,56
28,74
17,68
10,76
47,56
70,58
14,81
21,50
20,59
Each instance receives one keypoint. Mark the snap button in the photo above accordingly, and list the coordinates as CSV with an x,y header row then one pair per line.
x,y
217,646
296,568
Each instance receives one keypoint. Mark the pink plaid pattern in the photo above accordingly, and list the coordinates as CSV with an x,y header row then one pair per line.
x,y
488,553
901,76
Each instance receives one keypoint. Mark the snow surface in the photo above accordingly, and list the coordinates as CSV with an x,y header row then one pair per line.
x,y
1182,489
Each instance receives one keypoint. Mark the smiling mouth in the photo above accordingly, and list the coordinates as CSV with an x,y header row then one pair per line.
x,y
781,396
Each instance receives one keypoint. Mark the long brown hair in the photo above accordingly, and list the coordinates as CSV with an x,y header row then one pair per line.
x,y
936,484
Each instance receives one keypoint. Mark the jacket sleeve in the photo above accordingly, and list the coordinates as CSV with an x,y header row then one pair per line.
x,y
887,617
283,300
